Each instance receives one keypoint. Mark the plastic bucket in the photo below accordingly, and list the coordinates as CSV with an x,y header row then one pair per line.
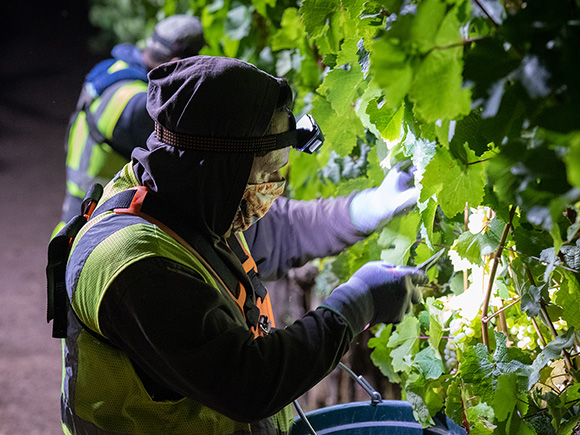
x,y
389,417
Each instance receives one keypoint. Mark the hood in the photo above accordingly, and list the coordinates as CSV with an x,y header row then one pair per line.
x,y
208,97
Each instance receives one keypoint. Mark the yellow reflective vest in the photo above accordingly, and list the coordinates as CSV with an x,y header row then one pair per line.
x,y
101,392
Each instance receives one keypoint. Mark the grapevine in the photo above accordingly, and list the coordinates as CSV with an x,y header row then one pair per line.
x,y
482,97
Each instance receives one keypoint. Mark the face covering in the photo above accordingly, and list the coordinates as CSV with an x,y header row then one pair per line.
x,y
256,201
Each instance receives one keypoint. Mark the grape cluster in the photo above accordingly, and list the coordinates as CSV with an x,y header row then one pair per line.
x,y
450,354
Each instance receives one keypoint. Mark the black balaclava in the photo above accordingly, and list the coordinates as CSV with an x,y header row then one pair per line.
x,y
205,96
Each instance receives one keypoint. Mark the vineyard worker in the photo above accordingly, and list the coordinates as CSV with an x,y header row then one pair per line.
x,y
169,331
111,116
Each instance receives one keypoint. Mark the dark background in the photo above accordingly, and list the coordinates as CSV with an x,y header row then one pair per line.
x,y
44,59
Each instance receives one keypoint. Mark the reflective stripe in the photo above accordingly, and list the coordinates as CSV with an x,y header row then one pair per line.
x,y
89,162
117,66
117,104
77,141
74,190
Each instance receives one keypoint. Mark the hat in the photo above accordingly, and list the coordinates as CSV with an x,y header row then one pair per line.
x,y
177,36
202,97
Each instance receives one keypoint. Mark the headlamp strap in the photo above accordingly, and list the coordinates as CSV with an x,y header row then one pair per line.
x,y
226,144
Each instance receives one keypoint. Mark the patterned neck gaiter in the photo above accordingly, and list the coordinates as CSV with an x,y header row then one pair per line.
x,y
257,200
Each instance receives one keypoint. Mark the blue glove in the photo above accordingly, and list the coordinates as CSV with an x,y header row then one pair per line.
x,y
371,209
377,293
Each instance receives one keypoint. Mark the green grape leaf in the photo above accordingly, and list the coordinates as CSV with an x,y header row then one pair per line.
x,y
392,69
348,51
454,408
419,394
549,353
467,246
506,396
316,13
381,354
428,213
430,14
437,89
405,343
353,258
398,237
467,130
436,321
342,88
291,31
480,419
340,132
531,300
387,121
482,369
454,183
429,361
261,6
567,297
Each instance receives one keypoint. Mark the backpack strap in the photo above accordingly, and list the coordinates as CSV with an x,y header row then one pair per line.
x,y
139,201
58,252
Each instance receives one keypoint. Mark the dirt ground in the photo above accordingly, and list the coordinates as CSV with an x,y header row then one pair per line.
x,y
43,64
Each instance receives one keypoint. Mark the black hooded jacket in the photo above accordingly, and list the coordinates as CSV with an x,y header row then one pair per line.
x,y
163,315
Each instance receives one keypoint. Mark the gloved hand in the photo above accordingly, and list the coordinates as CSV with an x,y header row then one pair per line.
x,y
372,208
377,293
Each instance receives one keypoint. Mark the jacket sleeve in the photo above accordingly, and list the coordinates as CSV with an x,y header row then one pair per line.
x,y
180,332
295,232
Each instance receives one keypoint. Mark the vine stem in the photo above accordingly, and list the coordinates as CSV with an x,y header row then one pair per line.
x,y
477,2
458,44
496,258
487,319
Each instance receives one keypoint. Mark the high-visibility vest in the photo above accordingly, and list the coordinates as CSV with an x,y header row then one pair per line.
x,y
101,393
90,157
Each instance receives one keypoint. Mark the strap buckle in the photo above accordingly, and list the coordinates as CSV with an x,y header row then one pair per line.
x,y
264,324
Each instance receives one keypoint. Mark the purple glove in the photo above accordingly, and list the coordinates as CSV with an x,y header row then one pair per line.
x,y
372,208
377,293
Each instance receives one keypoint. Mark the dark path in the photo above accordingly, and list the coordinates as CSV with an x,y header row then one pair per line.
x,y
44,61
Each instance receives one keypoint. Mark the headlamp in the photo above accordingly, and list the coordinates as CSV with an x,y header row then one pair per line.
x,y
309,137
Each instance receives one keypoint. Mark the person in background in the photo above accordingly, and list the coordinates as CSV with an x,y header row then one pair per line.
x,y
168,327
111,116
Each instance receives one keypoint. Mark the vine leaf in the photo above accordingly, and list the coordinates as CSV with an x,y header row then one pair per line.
x,y
315,14
398,237
405,343
482,369
429,361
291,31
340,133
437,87
381,354
550,352
454,183
567,297
532,299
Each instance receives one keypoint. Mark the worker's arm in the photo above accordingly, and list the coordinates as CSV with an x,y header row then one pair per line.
x,y
294,232
182,334
187,336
